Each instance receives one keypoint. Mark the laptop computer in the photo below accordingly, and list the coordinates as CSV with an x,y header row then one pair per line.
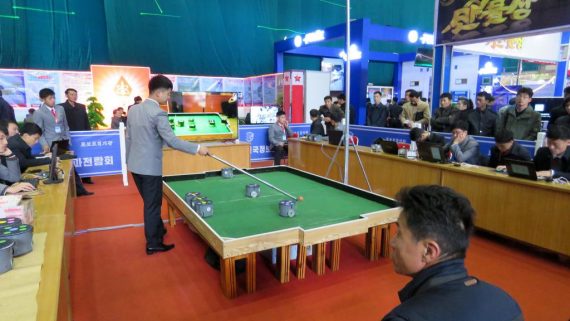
x,y
432,153
335,137
522,169
389,147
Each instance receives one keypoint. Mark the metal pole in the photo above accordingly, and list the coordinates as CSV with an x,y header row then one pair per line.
x,y
347,93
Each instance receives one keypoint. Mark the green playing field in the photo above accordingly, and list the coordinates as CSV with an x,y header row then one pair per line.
x,y
236,215
187,125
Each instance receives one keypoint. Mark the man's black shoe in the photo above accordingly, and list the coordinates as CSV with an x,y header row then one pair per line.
x,y
86,193
159,248
87,180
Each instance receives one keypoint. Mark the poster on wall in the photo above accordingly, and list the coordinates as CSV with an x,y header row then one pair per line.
x,y
80,81
234,85
211,84
188,84
116,86
269,90
36,80
247,92
256,91
470,20
336,68
13,87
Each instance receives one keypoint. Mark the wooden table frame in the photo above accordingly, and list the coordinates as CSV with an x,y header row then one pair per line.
x,y
231,250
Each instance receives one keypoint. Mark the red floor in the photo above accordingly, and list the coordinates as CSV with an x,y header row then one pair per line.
x,y
113,279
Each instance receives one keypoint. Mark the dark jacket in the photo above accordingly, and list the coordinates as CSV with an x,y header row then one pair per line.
x,y
352,111
465,152
376,115
24,153
442,119
394,112
317,127
482,123
543,161
445,292
556,113
76,116
563,121
524,126
516,152
436,139
6,110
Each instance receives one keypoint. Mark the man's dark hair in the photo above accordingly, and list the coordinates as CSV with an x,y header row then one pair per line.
x,y
503,136
327,98
485,95
45,93
336,117
31,129
327,114
280,113
525,90
159,82
4,130
558,132
445,95
566,91
416,133
341,96
138,98
31,111
460,124
69,89
412,93
440,213
467,102
377,92
314,113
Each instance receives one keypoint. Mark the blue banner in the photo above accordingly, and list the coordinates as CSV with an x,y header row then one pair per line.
x,y
256,136
98,152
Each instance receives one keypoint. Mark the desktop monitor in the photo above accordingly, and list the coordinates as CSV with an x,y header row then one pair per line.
x,y
53,178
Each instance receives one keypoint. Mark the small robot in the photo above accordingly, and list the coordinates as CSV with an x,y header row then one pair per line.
x,y
252,190
227,172
287,208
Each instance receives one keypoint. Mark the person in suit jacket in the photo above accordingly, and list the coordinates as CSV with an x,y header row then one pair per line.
x,y
147,132
9,168
377,113
421,135
277,134
318,124
430,247
554,160
6,110
51,119
464,148
21,146
506,148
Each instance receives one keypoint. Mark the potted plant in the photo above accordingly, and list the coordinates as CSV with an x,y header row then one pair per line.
x,y
95,113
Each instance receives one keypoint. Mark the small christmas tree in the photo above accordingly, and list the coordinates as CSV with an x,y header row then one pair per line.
x,y
94,113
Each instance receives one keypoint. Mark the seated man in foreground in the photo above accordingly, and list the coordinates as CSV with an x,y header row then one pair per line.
x,y
463,148
419,135
430,246
554,160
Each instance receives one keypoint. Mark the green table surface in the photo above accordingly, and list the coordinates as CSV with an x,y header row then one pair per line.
x,y
202,125
236,215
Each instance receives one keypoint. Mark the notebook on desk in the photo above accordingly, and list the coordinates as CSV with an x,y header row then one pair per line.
x,y
522,169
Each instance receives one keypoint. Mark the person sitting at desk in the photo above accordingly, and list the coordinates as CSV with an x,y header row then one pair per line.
x,y
9,168
430,246
554,160
318,124
506,148
278,133
463,148
21,146
419,135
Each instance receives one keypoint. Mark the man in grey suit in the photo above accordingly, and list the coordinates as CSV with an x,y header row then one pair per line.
x,y
148,130
51,119
464,148
278,133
